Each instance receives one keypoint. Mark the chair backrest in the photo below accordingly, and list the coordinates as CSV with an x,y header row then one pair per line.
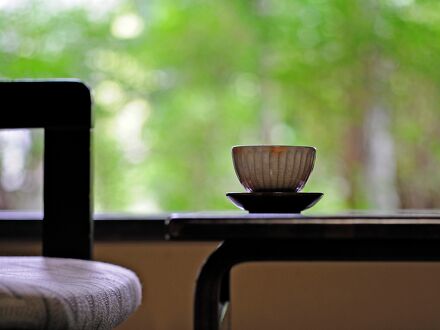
x,y
63,109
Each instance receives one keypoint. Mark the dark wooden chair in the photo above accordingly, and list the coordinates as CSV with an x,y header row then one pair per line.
x,y
62,289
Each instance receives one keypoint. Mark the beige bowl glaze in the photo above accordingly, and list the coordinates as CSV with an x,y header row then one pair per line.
x,y
273,168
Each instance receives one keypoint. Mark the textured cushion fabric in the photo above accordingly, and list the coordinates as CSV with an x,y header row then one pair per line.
x,y
54,293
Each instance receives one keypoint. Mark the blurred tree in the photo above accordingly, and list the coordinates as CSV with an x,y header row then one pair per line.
x,y
177,83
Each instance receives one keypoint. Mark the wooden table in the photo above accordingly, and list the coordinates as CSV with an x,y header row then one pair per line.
x,y
403,236
406,236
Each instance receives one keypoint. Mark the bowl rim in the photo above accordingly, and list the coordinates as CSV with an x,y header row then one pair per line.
x,y
255,146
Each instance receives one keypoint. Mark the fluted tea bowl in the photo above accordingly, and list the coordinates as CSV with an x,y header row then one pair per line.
x,y
273,168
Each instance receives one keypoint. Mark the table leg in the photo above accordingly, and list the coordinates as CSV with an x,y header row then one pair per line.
x,y
225,302
212,302
212,296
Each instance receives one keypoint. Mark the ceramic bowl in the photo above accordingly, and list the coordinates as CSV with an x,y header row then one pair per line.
x,y
273,168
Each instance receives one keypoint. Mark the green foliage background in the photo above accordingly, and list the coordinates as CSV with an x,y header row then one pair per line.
x,y
197,77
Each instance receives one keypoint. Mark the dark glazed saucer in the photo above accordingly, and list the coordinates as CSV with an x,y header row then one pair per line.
x,y
274,202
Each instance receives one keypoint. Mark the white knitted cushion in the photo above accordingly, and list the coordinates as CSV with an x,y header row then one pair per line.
x,y
53,293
